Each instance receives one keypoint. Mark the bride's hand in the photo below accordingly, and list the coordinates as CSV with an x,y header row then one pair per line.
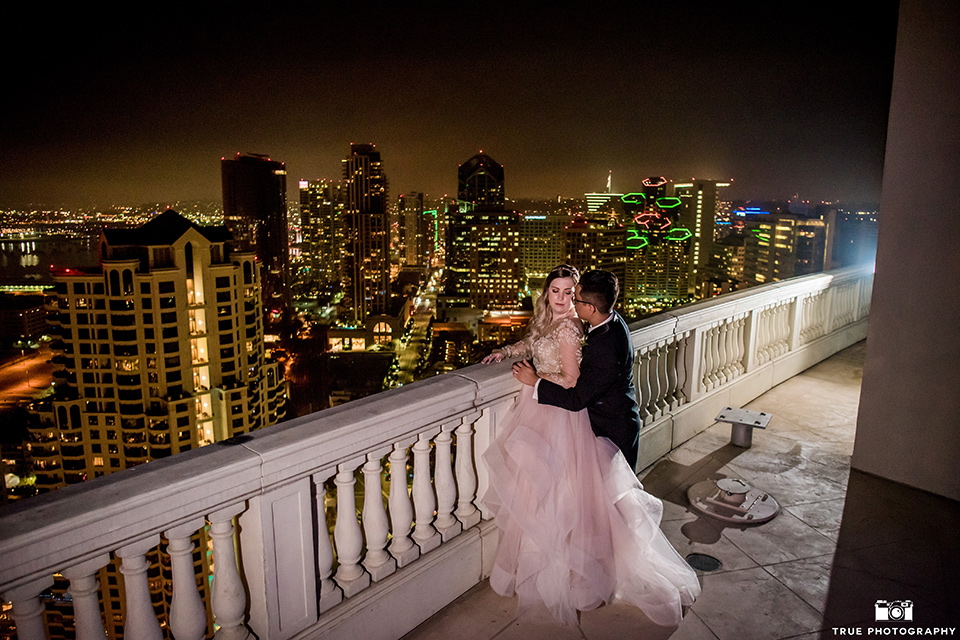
x,y
496,356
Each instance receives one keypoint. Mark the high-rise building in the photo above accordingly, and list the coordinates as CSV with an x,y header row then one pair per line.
x,y
162,349
483,260
541,244
589,245
480,182
255,213
414,231
782,245
321,223
852,236
365,270
659,249
699,202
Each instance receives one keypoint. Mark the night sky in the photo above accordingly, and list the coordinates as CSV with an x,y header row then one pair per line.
x,y
104,109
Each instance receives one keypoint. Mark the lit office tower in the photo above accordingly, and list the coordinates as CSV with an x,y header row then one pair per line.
x,y
699,201
365,269
416,238
162,351
255,212
589,245
483,239
659,249
321,217
781,246
541,244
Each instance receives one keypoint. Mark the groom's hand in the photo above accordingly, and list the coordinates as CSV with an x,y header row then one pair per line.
x,y
525,373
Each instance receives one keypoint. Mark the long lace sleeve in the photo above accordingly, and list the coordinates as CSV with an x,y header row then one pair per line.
x,y
517,350
568,338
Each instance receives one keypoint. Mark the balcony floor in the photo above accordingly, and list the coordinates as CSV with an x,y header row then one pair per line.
x,y
843,540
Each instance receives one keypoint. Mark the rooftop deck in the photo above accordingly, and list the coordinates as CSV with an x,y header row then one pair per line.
x,y
843,540
404,548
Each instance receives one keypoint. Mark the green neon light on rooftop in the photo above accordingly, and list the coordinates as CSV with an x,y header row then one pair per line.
x,y
433,211
679,234
631,198
668,202
634,237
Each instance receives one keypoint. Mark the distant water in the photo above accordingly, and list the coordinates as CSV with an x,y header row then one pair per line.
x,y
29,261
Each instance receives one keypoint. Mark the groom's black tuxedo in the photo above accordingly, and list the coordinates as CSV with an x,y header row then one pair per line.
x,y
605,387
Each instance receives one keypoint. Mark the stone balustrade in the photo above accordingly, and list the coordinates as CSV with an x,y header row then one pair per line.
x,y
421,536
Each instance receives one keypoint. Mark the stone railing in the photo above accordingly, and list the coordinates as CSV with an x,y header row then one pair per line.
x,y
421,537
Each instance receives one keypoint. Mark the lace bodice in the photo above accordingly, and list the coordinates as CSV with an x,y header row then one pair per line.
x,y
556,353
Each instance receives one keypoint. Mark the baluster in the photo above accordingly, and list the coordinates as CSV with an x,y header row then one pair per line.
x,y
330,593
716,342
350,576
709,362
672,363
640,384
188,616
681,367
721,368
784,326
141,621
730,332
663,393
808,319
467,513
377,562
653,380
448,526
27,610
424,502
229,599
762,337
401,509
84,590
740,341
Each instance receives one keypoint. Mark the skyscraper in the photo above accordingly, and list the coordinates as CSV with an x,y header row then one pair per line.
x,y
414,231
255,212
321,222
591,244
365,270
480,182
699,201
162,351
483,260
659,249
783,245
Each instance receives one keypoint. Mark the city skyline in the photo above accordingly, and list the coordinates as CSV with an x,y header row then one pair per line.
x,y
782,100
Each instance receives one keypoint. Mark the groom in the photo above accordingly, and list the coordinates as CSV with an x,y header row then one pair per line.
x,y
605,386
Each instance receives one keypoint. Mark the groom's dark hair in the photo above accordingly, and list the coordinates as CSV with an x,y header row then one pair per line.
x,y
600,288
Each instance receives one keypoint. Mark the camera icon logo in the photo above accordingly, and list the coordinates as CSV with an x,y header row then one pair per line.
x,y
893,610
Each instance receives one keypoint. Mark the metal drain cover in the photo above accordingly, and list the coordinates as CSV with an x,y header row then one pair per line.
x,y
703,562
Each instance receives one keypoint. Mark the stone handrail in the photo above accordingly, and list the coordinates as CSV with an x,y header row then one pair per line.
x,y
260,501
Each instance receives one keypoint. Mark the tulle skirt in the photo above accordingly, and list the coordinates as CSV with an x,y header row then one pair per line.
x,y
576,527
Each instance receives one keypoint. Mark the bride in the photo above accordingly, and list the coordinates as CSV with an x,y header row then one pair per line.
x,y
576,527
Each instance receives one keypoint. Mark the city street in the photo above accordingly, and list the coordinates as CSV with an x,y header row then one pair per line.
x,y
26,378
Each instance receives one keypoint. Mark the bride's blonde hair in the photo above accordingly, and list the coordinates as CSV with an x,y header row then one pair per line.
x,y
542,314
